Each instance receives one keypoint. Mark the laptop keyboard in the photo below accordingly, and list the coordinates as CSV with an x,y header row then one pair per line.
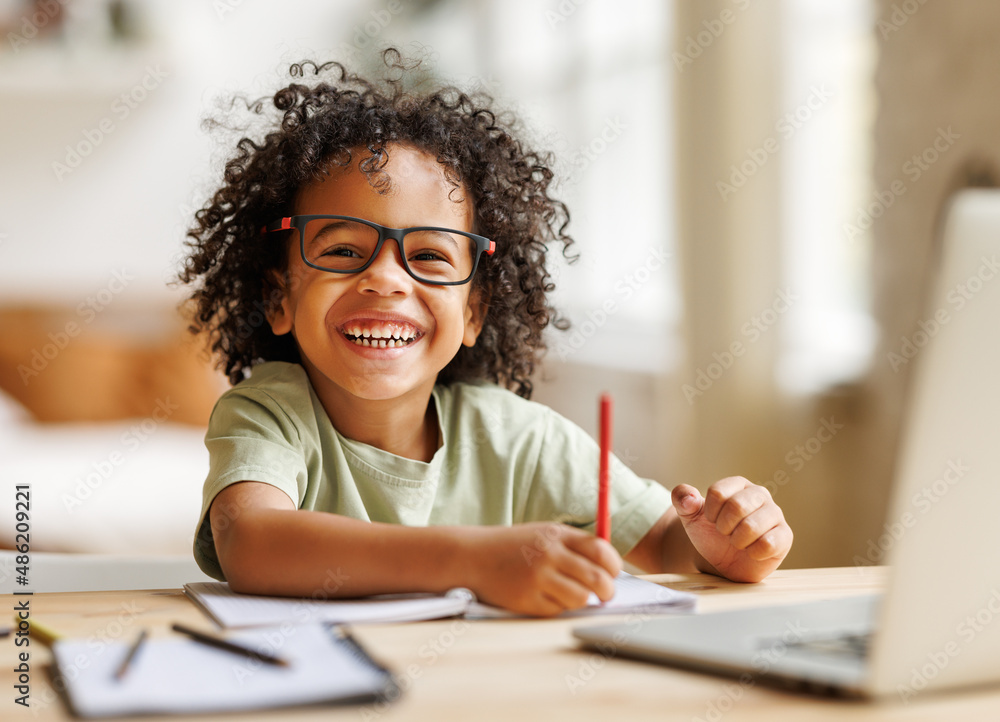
x,y
851,644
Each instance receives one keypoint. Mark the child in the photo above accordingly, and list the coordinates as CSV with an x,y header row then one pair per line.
x,y
367,445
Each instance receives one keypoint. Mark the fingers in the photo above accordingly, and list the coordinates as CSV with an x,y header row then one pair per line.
x,y
687,500
594,549
593,564
558,592
753,526
720,493
584,565
772,544
747,514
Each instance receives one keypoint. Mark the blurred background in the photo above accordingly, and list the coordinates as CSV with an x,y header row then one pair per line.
x,y
754,188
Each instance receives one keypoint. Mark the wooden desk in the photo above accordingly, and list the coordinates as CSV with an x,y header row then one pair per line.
x,y
512,670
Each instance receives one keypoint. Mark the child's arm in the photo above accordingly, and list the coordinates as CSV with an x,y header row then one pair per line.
x,y
736,531
267,546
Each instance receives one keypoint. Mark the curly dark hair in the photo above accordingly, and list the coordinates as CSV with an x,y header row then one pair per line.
x,y
232,264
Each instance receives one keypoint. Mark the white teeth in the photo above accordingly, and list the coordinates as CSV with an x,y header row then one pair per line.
x,y
382,342
390,335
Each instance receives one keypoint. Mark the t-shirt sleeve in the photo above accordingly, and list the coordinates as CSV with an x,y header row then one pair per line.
x,y
564,487
250,438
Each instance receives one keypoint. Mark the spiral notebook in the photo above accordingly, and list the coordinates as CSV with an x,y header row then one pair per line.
x,y
233,610
175,675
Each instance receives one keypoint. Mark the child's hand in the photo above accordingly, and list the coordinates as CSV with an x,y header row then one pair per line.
x,y
736,527
542,568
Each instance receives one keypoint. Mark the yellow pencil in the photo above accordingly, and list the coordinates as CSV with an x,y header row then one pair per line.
x,y
43,633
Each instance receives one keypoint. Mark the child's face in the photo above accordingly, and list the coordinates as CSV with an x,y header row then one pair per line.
x,y
324,311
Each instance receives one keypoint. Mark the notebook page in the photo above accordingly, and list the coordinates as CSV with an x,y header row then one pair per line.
x,y
230,609
632,594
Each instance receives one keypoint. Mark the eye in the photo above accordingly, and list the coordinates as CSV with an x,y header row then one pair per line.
x,y
341,251
429,255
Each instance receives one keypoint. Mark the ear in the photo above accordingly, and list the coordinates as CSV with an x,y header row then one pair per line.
x,y
475,315
279,311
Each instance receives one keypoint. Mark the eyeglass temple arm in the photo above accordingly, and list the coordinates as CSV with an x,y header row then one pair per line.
x,y
282,224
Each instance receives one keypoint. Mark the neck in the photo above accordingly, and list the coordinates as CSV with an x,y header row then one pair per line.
x,y
406,427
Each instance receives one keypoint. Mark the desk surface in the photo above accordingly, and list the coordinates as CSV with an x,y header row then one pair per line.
x,y
511,670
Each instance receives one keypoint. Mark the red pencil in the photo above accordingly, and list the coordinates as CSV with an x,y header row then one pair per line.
x,y
604,475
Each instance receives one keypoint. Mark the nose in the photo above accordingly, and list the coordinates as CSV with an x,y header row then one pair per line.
x,y
386,275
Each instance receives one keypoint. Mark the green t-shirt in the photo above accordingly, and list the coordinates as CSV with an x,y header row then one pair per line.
x,y
503,460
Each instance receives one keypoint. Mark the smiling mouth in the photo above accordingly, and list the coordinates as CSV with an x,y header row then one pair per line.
x,y
393,336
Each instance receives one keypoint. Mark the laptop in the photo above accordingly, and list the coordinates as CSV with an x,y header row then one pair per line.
x,y
937,626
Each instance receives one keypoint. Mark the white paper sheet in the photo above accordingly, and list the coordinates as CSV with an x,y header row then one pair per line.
x,y
179,675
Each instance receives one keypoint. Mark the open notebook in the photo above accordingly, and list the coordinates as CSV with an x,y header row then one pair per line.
x,y
177,675
230,609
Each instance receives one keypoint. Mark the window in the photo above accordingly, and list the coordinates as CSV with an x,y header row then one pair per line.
x,y
828,109
592,82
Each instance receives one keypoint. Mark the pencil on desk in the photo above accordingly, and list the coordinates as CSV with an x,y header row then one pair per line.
x,y
127,662
42,632
225,644
604,472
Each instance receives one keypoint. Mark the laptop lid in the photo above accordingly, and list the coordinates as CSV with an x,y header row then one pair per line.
x,y
939,623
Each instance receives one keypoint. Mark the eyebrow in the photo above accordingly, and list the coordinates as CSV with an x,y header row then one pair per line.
x,y
445,234
329,224
334,223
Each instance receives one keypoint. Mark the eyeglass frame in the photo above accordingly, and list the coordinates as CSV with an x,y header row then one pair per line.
x,y
298,223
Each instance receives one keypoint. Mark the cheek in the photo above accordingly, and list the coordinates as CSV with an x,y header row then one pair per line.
x,y
455,314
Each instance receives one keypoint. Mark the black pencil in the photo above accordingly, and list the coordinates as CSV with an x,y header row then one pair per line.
x,y
127,662
225,644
